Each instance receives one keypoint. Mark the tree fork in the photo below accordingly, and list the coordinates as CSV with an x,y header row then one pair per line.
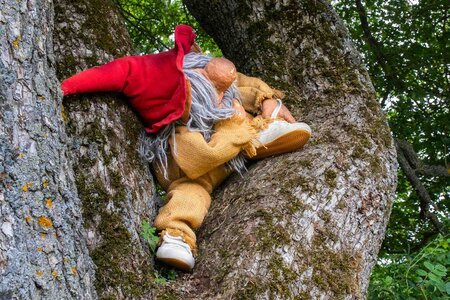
x,y
307,224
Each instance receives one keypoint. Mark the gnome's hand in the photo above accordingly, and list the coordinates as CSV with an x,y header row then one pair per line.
x,y
240,111
269,105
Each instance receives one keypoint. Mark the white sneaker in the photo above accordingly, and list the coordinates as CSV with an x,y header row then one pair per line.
x,y
281,136
176,253
278,129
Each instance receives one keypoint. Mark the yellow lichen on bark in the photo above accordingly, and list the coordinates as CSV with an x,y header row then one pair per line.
x,y
26,186
16,42
64,115
45,222
49,203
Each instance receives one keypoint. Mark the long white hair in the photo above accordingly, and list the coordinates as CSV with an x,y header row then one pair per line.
x,y
203,115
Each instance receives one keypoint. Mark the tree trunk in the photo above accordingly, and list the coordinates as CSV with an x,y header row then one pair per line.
x,y
73,191
305,225
115,186
302,225
43,251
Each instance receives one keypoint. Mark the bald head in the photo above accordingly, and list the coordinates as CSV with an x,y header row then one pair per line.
x,y
221,72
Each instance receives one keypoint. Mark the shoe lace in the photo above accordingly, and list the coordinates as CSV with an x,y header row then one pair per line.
x,y
276,110
177,240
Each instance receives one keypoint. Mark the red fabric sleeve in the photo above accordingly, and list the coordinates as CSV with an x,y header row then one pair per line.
x,y
110,77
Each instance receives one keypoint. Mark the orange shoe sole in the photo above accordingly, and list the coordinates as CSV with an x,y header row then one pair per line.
x,y
289,142
180,265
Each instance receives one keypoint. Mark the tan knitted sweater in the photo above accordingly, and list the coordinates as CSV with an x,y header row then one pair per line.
x,y
196,157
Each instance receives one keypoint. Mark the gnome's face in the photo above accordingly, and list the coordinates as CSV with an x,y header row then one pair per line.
x,y
221,73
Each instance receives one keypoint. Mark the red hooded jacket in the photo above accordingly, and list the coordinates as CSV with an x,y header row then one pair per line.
x,y
154,84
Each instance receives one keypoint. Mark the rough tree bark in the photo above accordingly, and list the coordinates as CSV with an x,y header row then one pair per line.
x,y
43,250
73,191
303,225
306,225
114,185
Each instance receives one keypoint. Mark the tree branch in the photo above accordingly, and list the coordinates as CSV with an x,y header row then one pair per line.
x,y
418,166
377,49
425,200
432,170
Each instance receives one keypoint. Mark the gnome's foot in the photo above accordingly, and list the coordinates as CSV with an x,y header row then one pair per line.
x,y
281,137
176,253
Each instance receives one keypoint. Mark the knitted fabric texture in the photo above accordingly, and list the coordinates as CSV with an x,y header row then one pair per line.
x,y
254,91
260,123
195,156
188,201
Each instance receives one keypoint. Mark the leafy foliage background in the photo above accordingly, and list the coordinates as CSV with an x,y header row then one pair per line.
x,y
405,45
151,25
412,81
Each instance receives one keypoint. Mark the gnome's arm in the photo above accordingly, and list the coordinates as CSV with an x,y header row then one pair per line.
x,y
254,91
110,77
259,98
197,157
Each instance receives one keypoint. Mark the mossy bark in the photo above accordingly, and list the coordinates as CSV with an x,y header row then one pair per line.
x,y
115,186
305,225
43,249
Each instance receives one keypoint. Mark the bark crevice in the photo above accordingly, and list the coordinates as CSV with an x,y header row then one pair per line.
x,y
319,214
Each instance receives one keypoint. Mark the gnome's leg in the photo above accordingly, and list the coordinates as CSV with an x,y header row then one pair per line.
x,y
187,205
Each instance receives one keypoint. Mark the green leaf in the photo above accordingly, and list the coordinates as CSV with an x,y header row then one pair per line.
x,y
417,279
447,288
421,272
428,265
441,286
440,270
439,273
149,234
434,277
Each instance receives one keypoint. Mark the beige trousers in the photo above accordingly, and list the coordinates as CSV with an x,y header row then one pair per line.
x,y
188,201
